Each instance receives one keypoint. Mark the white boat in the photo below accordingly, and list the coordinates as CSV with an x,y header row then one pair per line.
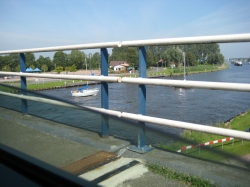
x,y
238,63
84,92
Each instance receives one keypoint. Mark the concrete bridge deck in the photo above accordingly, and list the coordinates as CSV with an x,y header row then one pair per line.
x,y
59,145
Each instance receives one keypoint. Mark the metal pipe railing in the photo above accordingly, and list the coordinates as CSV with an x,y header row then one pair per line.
x,y
142,118
190,84
164,41
64,48
160,82
61,76
190,40
141,82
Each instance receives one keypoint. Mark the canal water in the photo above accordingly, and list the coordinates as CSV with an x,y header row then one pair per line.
x,y
206,107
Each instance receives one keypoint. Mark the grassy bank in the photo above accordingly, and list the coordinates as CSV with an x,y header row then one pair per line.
x,y
237,147
177,71
51,85
31,85
193,69
185,178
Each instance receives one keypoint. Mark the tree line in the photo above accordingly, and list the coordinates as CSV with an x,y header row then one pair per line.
x,y
61,61
171,54
156,56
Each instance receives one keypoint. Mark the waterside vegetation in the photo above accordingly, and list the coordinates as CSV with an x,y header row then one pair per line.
x,y
236,147
41,84
185,178
157,56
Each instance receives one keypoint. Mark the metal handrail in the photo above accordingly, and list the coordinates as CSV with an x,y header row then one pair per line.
x,y
164,41
142,118
190,84
161,82
61,76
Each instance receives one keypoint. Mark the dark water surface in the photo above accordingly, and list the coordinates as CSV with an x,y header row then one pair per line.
x,y
205,107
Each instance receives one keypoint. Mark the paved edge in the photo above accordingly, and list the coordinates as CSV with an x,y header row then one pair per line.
x,y
221,174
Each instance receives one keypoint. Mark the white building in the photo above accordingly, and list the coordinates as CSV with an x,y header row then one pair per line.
x,y
119,68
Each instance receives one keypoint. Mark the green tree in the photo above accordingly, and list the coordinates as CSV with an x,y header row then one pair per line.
x,y
119,54
190,59
132,56
59,69
96,60
215,58
32,66
44,61
60,59
17,69
48,63
44,68
73,68
150,59
221,59
12,61
30,60
157,51
67,68
76,57
172,54
2,62
6,68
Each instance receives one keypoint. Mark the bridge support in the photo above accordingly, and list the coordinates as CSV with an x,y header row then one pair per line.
x,y
142,147
104,92
23,82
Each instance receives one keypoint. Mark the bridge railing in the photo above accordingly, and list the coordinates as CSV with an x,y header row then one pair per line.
x,y
141,116
138,117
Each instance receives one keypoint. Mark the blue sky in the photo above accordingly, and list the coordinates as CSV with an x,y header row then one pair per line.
x,y
45,23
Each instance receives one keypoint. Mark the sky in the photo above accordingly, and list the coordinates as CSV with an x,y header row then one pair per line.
x,y
28,24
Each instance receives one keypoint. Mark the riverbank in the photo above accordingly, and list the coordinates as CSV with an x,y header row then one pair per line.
x,y
193,69
36,84
236,148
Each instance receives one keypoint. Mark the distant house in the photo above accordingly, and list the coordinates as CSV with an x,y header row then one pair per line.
x,y
119,68
172,64
119,65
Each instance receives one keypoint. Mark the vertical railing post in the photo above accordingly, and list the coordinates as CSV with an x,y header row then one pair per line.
x,y
142,96
23,83
104,91
142,147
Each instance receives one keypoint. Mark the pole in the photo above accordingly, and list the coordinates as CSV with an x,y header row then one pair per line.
x,y
184,66
141,147
104,92
23,82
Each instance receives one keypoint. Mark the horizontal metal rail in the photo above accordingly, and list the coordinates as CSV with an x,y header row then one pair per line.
x,y
64,48
190,84
165,41
61,76
160,82
191,40
142,118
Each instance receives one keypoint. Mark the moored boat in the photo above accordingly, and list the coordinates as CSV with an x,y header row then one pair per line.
x,y
84,92
238,63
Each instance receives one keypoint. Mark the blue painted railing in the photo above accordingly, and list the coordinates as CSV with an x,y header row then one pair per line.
x,y
141,146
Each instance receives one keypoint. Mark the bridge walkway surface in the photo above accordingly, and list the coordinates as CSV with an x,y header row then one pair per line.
x,y
105,161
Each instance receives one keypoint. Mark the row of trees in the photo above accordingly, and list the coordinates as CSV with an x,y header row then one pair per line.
x,y
164,55
156,56
70,62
